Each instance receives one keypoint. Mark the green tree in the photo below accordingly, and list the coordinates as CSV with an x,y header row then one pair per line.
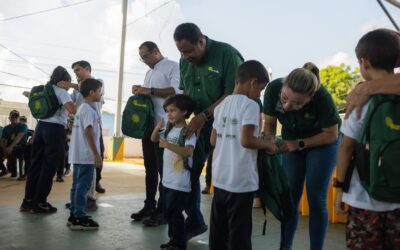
x,y
339,80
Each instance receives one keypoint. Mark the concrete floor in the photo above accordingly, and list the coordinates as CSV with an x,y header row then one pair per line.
x,y
125,193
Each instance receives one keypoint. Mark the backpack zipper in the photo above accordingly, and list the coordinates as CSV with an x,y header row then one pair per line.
x,y
383,151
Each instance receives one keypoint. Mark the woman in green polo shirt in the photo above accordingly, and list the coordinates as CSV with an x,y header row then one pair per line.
x,y
310,125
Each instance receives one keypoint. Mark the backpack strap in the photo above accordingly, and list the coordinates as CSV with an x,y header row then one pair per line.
x,y
181,142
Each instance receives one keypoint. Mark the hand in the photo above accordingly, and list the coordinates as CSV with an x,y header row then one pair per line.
x,y
98,162
338,204
163,143
26,93
356,100
160,124
139,90
272,148
290,145
195,124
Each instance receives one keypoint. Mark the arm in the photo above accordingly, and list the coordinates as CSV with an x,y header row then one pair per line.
x,y
67,85
70,107
98,162
155,135
362,92
17,140
213,137
248,140
328,135
269,128
185,151
345,152
137,89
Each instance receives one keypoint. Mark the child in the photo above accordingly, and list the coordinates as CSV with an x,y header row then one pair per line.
x,y
177,162
371,224
235,136
84,154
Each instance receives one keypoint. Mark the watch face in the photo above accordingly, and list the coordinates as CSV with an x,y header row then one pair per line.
x,y
301,144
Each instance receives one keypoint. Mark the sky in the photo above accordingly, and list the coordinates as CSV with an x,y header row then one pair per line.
x,y
283,35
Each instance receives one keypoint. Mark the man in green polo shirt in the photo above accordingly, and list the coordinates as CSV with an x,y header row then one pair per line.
x,y
13,136
207,70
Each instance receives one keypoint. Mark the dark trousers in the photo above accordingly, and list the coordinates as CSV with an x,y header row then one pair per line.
x,y
98,170
201,152
16,154
209,168
48,153
175,202
27,157
3,168
231,220
153,164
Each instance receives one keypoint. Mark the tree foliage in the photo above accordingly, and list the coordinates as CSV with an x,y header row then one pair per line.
x,y
339,80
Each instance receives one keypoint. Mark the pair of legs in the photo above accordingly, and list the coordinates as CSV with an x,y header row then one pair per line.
x,y
231,220
175,202
367,229
315,166
15,157
47,154
81,183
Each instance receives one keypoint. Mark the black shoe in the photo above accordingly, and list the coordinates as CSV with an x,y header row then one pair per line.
x,y
2,173
165,245
59,179
206,190
100,189
146,211
156,219
43,208
67,172
71,218
85,224
26,206
68,205
21,178
193,231
13,175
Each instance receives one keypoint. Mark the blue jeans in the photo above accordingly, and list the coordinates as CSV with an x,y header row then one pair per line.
x,y
81,183
315,166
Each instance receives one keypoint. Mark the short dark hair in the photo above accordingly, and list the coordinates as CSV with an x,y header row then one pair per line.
x,y
188,31
83,64
14,114
59,74
88,85
182,102
151,46
251,69
380,47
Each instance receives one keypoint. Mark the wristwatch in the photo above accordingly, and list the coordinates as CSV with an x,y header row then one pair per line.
x,y
337,184
301,144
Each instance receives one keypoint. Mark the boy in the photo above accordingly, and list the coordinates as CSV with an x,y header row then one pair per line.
x,y
177,163
235,136
371,224
84,154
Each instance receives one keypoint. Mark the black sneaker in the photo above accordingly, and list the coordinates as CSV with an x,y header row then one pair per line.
x,y
206,190
43,208
156,219
193,231
2,173
59,179
146,211
84,224
68,205
100,189
26,206
71,218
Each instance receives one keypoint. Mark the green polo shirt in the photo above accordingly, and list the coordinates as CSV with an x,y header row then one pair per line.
x,y
319,113
10,132
214,77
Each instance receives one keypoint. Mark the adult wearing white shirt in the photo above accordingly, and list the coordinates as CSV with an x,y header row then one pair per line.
x,y
161,81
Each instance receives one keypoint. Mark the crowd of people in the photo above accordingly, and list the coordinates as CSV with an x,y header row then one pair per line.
x,y
220,92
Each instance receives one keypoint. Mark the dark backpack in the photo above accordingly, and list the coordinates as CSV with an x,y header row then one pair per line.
x,y
181,143
377,150
43,101
138,117
274,188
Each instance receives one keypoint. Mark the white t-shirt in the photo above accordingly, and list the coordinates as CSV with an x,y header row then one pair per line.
x,y
78,99
61,115
165,74
235,167
357,196
175,176
79,150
